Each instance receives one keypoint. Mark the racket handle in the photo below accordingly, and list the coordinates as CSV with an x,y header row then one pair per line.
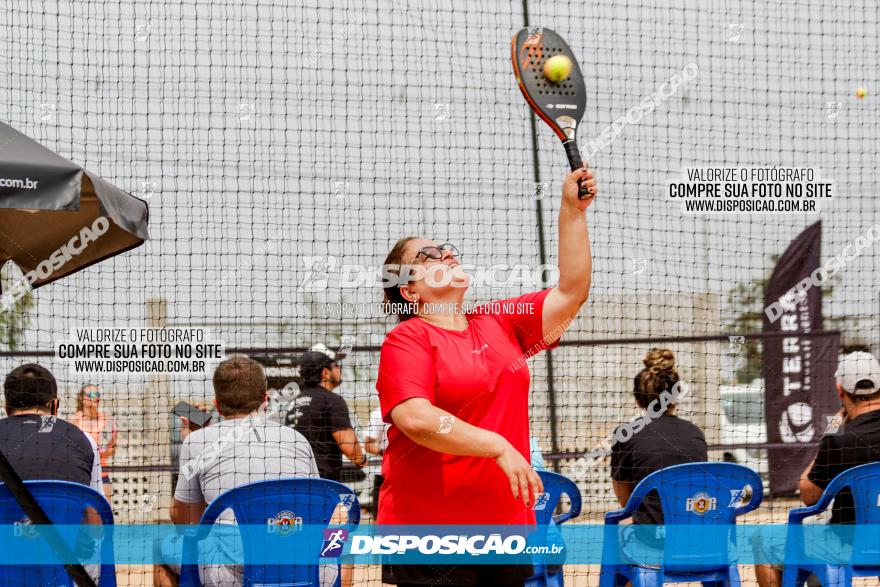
x,y
575,162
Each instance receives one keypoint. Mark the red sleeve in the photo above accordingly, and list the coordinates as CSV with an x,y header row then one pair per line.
x,y
523,316
406,370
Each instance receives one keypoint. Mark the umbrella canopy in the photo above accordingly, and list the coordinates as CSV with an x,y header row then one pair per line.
x,y
57,218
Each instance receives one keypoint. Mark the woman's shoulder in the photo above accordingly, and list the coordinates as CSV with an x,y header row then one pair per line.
x,y
408,327
409,331
653,427
527,303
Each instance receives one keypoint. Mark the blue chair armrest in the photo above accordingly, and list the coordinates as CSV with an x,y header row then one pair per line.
x,y
794,536
635,498
189,572
213,511
574,495
797,516
100,504
614,518
611,539
354,515
826,498
563,517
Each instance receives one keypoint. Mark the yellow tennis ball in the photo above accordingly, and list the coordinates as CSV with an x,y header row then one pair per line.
x,y
861,92
557,68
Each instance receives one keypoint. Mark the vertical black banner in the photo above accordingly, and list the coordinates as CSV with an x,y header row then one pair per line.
x,y
798,369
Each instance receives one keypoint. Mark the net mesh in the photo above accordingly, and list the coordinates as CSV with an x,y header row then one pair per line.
x,y
283,149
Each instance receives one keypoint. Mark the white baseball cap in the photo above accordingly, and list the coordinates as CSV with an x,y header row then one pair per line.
x,y
856,367
320,348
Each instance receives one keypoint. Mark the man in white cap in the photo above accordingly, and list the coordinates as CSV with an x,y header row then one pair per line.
x,y
856,441
853,439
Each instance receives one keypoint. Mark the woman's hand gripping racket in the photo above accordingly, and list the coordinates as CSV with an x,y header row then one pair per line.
x,y
551,82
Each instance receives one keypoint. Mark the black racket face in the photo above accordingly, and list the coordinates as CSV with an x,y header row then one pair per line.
x,y
561,105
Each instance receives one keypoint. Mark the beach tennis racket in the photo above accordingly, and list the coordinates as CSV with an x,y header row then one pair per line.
x,y
561,104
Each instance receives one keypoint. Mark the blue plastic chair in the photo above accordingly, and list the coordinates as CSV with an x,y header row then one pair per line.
x,y
313,500
65,504
864,483
686,555
555,486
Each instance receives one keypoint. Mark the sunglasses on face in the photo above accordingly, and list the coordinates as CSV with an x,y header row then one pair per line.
x,y
436,252
93,395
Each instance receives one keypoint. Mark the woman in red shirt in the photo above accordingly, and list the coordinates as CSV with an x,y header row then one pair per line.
x,y
455,388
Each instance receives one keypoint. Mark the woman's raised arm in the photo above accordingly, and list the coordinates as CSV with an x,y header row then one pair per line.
x,y
575,259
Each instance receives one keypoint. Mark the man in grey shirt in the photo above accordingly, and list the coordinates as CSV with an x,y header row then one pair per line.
x,y
243,448
237,451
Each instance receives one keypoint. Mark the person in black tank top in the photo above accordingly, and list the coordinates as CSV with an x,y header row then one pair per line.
x,y
663,440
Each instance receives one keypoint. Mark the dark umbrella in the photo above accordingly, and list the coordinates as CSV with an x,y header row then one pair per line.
x,y
57,218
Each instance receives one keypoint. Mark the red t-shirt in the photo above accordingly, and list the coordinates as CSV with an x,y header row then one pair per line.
x,y
478,376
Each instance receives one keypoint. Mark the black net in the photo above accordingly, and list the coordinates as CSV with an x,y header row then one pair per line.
x,y
283,148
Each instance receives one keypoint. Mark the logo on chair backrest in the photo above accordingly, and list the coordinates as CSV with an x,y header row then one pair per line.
x,y
701,503
284,523
737,497
541,501
24,528
347,500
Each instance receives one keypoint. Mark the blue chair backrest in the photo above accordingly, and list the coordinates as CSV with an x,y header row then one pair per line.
x,y
864,483
311,500
555,485
699,494
65,503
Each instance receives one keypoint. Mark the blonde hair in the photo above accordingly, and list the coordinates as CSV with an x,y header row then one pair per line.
x,y
659,375
82,394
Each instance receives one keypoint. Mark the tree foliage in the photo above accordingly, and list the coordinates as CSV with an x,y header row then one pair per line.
x,y
15,318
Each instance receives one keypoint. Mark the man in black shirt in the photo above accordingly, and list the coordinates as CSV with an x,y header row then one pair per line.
x,y
851,440
41,446
321,415
37,443
857,439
